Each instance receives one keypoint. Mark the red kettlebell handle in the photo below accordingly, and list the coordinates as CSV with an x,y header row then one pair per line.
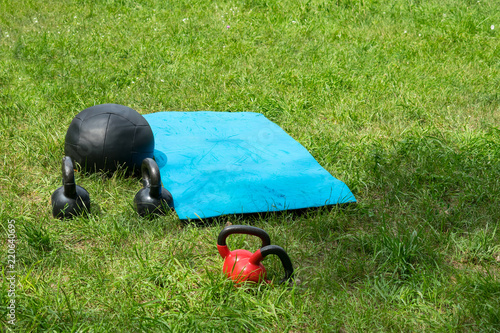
x,y
240,229
263,252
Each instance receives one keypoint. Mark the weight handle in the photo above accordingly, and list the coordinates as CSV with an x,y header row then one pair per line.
x,y
68,175
151,177
243,229
281,253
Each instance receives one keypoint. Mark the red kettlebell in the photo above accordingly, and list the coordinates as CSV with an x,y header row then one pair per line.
x,y
242,265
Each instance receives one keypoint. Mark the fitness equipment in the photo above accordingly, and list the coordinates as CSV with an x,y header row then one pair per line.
x,y
242,265
103,137
237,163
153,199
70,199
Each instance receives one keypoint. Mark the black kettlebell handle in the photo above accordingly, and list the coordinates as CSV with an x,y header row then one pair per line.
x,y
243,229
151,177
68,175
285,259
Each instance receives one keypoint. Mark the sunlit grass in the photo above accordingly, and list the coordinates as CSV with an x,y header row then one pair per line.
x,y
397,99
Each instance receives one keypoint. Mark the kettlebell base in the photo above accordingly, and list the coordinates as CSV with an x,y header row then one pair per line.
x,y
67,209
64,207
150,207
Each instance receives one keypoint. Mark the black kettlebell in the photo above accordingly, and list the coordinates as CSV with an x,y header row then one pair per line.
x,y
153,199
70,199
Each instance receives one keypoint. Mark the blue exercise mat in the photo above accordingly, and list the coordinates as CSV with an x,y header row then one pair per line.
x,y
218,163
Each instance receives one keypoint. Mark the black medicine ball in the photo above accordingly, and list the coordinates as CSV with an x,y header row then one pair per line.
x,y
105,136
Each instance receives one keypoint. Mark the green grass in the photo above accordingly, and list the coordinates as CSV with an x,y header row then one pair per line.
x,y
398,99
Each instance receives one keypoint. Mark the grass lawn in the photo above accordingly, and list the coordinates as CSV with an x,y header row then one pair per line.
x,y
399,99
